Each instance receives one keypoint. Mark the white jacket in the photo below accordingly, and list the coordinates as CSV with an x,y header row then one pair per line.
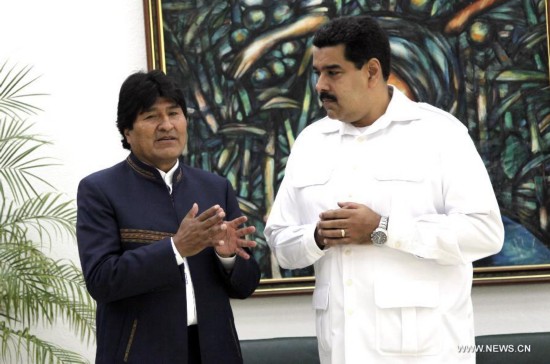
x,y
409,301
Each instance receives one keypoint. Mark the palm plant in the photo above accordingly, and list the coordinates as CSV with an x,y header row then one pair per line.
x,y
34,288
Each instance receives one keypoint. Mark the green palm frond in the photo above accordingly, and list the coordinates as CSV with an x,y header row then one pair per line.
x,y
13,86
34,288
17,162
37,289
46,215
16,342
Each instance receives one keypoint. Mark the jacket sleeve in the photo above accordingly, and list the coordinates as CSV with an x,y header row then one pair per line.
x,y
244,278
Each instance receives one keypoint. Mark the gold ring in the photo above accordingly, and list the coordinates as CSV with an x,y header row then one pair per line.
x,y
343,233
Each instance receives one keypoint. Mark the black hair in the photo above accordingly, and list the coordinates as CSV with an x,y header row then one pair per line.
x,y
362,37
139,92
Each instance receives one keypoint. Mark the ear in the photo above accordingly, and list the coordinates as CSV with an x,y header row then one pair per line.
x,y
127,134
374,68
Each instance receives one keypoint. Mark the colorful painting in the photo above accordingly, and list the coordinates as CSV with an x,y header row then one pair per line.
x,y
247,67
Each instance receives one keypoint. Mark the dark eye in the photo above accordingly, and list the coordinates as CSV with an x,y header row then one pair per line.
x,y
150,117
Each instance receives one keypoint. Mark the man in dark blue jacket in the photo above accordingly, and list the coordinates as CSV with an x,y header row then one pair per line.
x,y
161,244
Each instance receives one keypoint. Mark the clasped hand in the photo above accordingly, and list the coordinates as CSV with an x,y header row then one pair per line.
x,y
352,223
209,229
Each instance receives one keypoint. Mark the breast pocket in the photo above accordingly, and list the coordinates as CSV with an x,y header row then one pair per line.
x,y
407,186
310,176
313,191
404,169
408,319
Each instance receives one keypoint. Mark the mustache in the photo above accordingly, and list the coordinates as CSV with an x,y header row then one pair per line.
x,y
326,96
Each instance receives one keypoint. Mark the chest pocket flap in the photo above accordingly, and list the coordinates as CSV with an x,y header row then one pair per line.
x,y
401,168
408,321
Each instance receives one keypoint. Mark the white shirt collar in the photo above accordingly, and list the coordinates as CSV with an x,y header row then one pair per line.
x,y
167,176
394,112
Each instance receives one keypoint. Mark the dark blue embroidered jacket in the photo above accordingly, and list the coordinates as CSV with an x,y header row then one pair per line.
x,y
125,219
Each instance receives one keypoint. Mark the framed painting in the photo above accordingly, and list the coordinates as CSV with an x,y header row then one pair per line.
x,y
247,67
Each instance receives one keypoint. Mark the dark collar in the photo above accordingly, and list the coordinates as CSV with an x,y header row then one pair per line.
x,y
151,172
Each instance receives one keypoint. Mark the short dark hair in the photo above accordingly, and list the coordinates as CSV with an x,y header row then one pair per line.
x,y
139,92
362,37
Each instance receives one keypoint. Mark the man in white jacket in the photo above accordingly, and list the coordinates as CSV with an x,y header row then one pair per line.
x,y
391,202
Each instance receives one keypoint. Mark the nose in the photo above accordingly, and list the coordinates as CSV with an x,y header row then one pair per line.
x,y
320,85
165,122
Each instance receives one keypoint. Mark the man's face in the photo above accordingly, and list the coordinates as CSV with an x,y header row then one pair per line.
x,y
159,134
342,88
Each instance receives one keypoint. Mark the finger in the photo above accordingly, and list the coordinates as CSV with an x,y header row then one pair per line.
x,y
337,233
243,243
326,214
238,221
333,224
348,205
217,243
334,242
245,231
242,253
192,211
334,214
215,219
212,211
214,229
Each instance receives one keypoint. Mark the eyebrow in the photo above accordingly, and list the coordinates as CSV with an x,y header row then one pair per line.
x,y
175,105
328,67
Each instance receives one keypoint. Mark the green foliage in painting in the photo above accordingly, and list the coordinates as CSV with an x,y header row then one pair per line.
x,y
247,65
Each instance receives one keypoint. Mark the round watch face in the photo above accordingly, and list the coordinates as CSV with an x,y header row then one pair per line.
x,y
379,237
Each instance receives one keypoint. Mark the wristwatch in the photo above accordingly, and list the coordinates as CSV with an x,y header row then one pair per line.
x,y
380,235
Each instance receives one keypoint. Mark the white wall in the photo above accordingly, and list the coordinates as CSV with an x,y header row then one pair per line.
x,y
84,50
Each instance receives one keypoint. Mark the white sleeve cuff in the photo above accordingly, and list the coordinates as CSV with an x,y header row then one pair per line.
x,y
179,258
227,263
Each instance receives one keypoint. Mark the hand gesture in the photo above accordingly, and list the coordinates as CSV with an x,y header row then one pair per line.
x,y
234,238
198,232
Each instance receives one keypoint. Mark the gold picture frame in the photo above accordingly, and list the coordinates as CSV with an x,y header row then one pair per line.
x,y
166,20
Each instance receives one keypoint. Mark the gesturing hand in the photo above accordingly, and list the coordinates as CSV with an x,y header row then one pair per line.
x,y
232,236
198,232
